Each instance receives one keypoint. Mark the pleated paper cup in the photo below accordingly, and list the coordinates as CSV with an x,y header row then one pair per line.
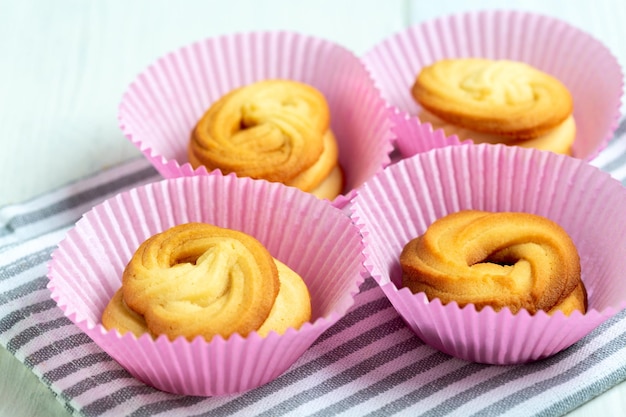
x,y
315,239
162,105
413,137
586,67
401,202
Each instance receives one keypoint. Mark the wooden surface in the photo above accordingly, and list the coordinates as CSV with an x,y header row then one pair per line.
x,y
64,65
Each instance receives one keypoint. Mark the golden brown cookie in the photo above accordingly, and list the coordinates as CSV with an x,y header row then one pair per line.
x,y
496,101
292,308
514,260
278,130
197,279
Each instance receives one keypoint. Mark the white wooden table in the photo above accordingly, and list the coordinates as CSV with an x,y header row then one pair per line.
x,y
64,65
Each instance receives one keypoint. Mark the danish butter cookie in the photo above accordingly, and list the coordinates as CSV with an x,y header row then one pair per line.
x,y
197,279
496,101
507,259
277,130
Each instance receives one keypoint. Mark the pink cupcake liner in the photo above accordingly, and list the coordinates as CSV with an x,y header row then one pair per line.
x,y
401,202
413,137
315,239
582,63
163,104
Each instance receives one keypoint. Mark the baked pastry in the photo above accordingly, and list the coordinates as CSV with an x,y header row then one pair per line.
x,y
496,101
507,259
197,279
278,130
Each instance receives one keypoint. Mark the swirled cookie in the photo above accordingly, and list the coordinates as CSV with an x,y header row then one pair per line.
x,y
197,279
507,259
496,101
278,130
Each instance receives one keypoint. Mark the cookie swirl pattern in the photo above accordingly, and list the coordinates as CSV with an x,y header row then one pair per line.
x,y
197,279
514,260
278,130
499,97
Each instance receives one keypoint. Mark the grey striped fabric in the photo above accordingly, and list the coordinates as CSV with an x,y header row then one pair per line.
x,y
369,363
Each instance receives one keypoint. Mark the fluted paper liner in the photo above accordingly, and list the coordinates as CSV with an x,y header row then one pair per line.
x,y
162,105
315,239
586,67
401,202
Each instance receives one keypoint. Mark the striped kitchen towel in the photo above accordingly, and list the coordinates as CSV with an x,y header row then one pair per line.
x,y
369,363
